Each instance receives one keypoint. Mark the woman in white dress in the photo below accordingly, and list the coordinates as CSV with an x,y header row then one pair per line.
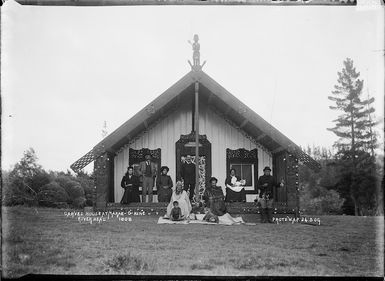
x,y
181,196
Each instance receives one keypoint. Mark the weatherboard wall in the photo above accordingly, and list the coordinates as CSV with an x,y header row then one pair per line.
x,y
167,132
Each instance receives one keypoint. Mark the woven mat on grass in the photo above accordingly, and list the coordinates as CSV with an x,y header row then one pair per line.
x,y
223,220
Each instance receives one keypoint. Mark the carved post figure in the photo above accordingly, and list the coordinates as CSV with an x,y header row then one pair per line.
x,y
196,48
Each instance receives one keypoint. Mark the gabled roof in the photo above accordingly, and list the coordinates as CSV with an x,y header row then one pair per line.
x,y
217,98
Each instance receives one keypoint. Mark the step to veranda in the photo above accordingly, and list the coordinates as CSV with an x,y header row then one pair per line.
x,y
160,208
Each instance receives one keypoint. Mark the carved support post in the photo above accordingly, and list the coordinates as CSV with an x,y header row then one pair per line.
x,y
292,183
197,140
104,175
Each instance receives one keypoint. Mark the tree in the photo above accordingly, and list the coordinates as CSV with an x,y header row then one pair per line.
x,y
27,167
317,193
72,187
52,194
354,127
24,180
87,183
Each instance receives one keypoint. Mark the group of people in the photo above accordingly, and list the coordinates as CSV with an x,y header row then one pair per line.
x,y
164,184
213,206
180,198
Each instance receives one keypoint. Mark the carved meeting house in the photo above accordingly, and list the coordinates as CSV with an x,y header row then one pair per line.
x,y
231,135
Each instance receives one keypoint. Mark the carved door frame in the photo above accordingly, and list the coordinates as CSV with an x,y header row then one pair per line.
x,y
204,150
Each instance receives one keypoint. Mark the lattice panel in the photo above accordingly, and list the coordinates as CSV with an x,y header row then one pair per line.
x,y
87,158
83,161
307,160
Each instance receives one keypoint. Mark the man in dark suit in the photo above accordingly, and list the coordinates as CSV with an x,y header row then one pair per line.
x,y
148,170
188,176
265,185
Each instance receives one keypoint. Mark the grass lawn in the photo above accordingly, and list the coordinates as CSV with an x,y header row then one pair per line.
x,y
43,240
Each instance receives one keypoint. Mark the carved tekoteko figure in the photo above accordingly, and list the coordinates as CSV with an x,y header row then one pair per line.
x,y
196,47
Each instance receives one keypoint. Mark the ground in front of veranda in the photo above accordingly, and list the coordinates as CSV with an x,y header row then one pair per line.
x,y
45,241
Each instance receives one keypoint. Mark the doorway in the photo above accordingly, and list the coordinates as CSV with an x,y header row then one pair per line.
x,y
186,146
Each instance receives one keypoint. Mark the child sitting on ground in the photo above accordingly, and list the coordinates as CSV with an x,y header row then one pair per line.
x,y
176,212
198,208
210,217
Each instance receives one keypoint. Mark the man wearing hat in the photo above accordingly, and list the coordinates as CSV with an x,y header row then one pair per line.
x,y
164,185
265,185
147,169
187,173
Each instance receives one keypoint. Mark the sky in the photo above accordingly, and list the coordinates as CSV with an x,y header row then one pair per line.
x,y
66,70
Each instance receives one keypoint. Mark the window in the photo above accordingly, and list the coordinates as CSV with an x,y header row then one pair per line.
x,y
245,163
246,172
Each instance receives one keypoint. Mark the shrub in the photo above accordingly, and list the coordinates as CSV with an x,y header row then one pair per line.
x,y
15,192
87,184
129,263
89,203
72,187
51,194
328,202
79,202
40,179
11,195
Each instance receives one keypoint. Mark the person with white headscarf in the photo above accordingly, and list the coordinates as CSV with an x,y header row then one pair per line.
x,y
183,200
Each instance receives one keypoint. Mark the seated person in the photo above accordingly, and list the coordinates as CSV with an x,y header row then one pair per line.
x,y
214,201
214,198
176,212
181,196
198,208
235,192
164,185
210,217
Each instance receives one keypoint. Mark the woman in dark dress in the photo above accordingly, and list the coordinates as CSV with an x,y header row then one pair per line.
x,y
130,183
214,198
164,185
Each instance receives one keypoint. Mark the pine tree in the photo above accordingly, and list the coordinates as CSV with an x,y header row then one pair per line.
x,y
354,129
354,125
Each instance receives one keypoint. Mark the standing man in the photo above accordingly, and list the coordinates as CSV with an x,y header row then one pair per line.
x,y
188,176
147,169
265,186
